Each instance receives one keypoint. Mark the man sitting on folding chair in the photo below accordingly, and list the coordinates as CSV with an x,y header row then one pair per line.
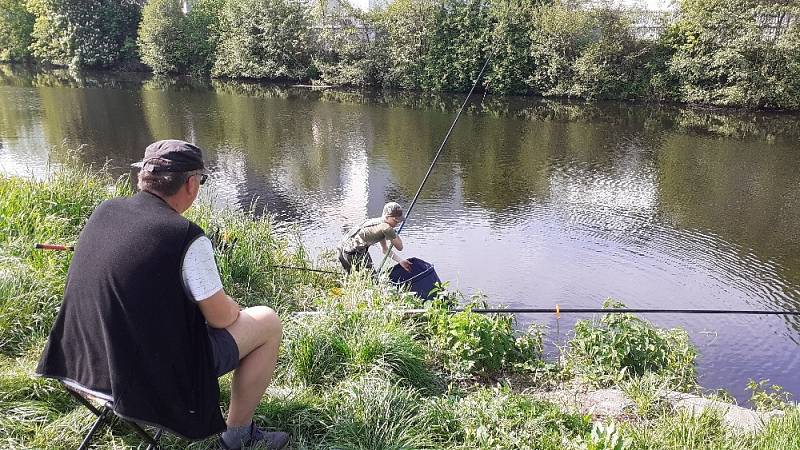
x,y
145,324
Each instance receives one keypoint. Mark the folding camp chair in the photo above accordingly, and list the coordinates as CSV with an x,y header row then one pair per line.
x,y
105,414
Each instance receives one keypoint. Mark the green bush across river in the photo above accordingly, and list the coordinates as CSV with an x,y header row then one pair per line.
x,y
716,52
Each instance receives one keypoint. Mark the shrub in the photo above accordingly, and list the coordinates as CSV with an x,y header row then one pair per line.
x,y
352,48
161,36
84,33
512,63
171,42
558,36
458,45
16,26
608,66
264,39
584,53
621,346
485,345
724,54
409,25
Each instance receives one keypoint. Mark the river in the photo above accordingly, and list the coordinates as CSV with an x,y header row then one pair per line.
x,y
533,203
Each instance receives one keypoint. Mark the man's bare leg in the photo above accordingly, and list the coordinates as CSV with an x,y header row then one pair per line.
x,y
257,333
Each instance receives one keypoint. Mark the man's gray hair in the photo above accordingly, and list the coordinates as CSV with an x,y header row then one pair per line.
x,y
163,183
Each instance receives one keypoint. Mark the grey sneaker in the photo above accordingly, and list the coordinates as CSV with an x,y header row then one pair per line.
x,y
268,440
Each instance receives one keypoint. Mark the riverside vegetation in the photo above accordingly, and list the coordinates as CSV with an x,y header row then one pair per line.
x,y
360,375
716,52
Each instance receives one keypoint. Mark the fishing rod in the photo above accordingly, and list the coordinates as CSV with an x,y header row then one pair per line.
x,y
436,157
306,269
557,310
70,248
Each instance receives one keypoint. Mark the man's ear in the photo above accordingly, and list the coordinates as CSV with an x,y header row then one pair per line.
x,y
192,186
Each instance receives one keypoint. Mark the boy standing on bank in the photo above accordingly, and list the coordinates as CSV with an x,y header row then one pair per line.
x,y
354,247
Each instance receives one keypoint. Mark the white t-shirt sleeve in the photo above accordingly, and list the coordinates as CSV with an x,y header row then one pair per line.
x,y
199,270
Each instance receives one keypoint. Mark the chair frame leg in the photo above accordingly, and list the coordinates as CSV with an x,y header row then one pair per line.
x,y
105,416
102,419
150,440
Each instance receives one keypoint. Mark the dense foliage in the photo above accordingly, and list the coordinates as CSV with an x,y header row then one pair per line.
x,y
736,52
16,26
84,33
717,52
619,347
173,42
264,39
480,344
350,49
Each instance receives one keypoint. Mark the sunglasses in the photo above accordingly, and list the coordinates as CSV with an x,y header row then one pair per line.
x,y
203,177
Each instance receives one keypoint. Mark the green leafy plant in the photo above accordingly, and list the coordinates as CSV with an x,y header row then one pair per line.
x,y
173,42
621,346
16,26
606,436
725,54
351,47
497,418
264,39
84,33
767,397
647,393
479,344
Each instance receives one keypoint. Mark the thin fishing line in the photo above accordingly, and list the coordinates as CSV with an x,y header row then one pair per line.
x,y
438,152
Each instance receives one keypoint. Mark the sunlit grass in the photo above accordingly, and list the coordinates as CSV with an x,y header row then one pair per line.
x,y
358,374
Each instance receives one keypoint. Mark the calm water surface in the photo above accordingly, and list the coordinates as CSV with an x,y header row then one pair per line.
x,y
533,202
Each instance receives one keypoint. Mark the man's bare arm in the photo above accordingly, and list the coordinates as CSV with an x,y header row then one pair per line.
x,y
219,310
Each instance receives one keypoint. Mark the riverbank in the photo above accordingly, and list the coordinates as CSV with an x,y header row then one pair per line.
x,y
362,375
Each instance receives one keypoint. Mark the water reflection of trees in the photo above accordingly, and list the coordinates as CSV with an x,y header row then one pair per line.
x,y
729,172
744,190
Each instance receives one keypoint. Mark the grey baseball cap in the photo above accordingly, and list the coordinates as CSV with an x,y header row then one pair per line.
x,y
171,155
393,209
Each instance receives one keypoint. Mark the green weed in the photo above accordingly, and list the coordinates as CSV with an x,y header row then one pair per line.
x,y
479,344
497,418
768,397
374,413
647,393
621,346
323,349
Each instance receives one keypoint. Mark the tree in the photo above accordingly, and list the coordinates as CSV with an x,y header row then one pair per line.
x,y
171,42
84,33
264,39
16,26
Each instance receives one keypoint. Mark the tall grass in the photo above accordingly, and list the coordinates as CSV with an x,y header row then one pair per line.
x,y
250,256
50,210
321,350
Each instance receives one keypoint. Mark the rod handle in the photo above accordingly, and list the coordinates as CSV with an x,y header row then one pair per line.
x,y
68,248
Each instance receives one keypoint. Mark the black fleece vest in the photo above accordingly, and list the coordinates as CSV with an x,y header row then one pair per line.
x,y
127,327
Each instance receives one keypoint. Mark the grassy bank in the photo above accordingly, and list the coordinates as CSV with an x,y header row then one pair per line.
x,y
361,375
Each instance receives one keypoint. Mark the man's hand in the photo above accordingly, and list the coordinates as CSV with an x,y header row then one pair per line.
x,y
405,265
